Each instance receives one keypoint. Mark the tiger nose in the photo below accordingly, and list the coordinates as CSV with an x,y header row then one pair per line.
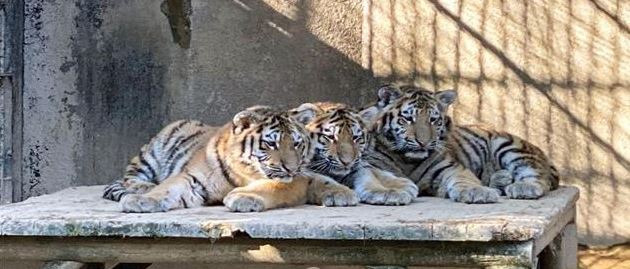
x,y
289,171
345,162
419,143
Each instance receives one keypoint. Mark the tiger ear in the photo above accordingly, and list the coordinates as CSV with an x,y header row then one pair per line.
x,y
446,97
305,113
387,94
368,116
244,119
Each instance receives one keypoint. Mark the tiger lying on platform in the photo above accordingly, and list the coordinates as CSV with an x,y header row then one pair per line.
x,y
415,138
254,163
339,137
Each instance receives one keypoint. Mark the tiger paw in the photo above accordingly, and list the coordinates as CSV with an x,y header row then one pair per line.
x,y
136,203
340,196
524,190
403,184
140,187
243,202
500,179
477,195
386,197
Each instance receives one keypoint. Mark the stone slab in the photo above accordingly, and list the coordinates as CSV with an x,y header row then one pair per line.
x,y
79,211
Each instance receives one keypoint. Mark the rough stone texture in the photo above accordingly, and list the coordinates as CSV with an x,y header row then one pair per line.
x,y
555,72
81,212
102,77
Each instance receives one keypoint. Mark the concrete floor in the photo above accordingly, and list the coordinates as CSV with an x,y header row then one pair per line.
x,y
615,257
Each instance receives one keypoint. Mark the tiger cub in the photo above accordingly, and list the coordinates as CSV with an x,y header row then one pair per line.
x,y
253,163
416,138
339,139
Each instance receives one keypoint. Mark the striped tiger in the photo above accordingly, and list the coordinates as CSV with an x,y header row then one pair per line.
x,y
253,163
416,138
339,139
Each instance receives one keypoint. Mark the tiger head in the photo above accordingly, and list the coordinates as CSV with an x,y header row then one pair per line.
x,y
338,137
274,143
411,121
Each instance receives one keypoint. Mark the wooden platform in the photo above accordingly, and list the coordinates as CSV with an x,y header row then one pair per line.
x,y
76,224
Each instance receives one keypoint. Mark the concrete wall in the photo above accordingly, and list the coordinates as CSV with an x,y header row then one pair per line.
x,y
101,77
555,72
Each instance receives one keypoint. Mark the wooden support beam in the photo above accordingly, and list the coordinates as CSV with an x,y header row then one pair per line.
x,y
247,251
562,251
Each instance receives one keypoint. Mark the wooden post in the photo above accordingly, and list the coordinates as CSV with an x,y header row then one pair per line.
x,y
561,253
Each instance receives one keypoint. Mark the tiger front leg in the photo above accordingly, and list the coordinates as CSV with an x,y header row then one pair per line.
x,y
326,191
174,192
378,187
265,194
460,185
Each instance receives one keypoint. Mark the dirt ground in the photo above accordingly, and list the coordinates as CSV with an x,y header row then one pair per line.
x,y
615,257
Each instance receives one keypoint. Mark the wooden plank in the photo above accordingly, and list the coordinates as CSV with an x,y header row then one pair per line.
x,y
245,250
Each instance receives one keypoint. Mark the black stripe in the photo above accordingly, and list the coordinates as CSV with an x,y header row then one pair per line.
x,y
243,146
145,163
522,158
180,142
251,144
468,131
434,162
176,159
459,145
345,180
176,128
174,144
502,154
437,172
502,146
222,166
184,202
472,145
193,135
138,171
484,144
383,121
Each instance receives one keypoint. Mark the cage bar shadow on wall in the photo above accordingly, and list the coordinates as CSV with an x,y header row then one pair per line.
x,y
555,72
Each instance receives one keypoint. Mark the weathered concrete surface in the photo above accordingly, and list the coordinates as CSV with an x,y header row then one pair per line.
x,y
80,211
555,72
102,77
